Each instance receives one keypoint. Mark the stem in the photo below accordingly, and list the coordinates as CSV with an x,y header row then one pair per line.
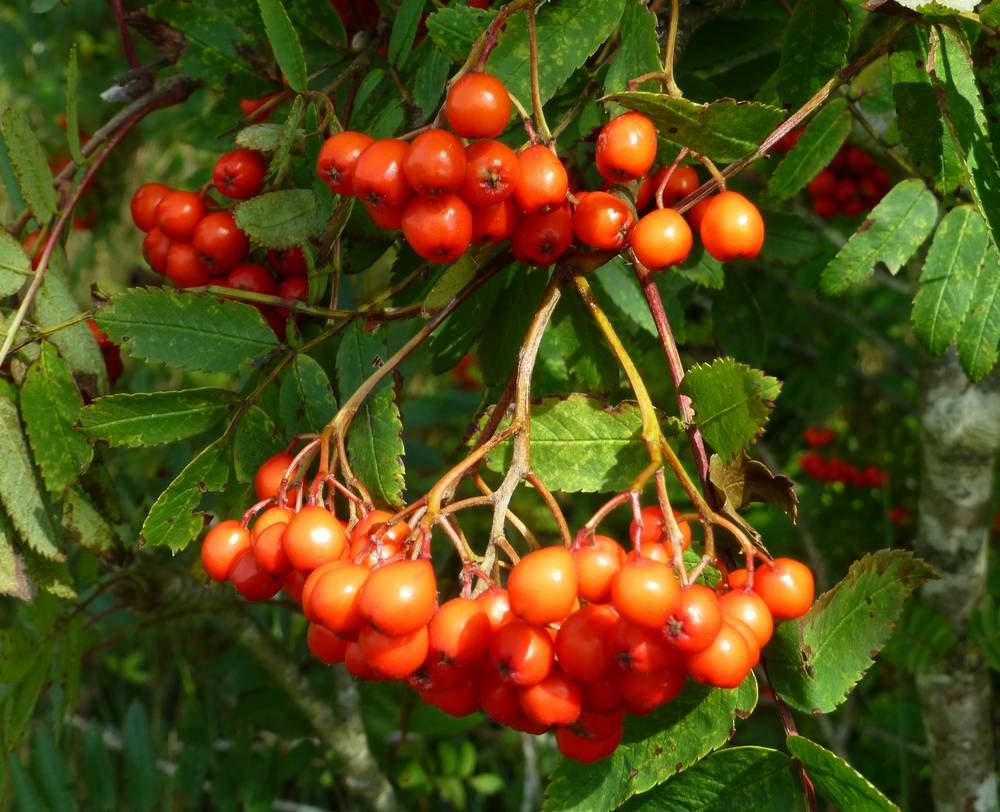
x,y
788,723
669,85
536,94
667,175
550,502
127,48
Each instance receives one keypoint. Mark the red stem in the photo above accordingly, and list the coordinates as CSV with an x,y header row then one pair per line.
x,y
127,47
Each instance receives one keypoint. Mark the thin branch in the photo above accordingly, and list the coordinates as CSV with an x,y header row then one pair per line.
x,y
536,94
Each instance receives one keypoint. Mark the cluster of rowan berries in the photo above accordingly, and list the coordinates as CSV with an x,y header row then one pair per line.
x,y
850,185
834,469
445,196
193,240
577,638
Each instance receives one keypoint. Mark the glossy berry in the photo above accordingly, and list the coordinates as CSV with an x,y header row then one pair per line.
x,y
661,238
376,524
252,581
271,516
648,691
522,654
583,644
155,246
460,631
178,214
491,173
387,217
254,278
395,657
269,549
239,174
378,174
313,537
294,287
542,586
462,700
555,700
494,223
602,221
400,597
334,599
597,563
498,699
725,663
540,239
222,545
786,586
626,147
184,266
288,261
324,645
640,649
337,158
144,202
219,242
438,228
603,696
435,163
696,213
753,644
356,665
696,621
653,531
542,181
267,480
477,106
732,227
645,592
496,604
682,181
748,607
584,749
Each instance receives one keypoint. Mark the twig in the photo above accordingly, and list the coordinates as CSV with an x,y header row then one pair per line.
x,y
127,48
788,723
536,94
550,502
670,43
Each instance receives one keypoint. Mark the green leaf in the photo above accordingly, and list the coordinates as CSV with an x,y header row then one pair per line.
x,y
140,758
187,331
503,331
14,579
812,152
837,781
654,748
15,267
306,402
453,339
724,130
430,80
617,282
278,219
738,323
19,489
731,402
984,631
928,144
961,105
72,125
48,575
98,772
990,15
816,660
893,232
404,30
285,44
750,779
52,771
25,794
454,278
487,783
701,268
578,444
454,28
573,356
569,32
25,697
374,442
154,418
50,406
790,239
814,47
261,137
639,51
85,525
28,159
746,696
171,521
256,440
951,270
980,332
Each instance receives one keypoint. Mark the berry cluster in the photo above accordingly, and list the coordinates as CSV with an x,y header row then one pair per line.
x,y
446,196
194,241
576,639
850,185
834,469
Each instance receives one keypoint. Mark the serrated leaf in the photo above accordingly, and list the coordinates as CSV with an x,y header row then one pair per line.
x,y
48,575
72,125
98,772
891,234
404,30
140,758
639,51
816,660
923,133
256,440
816,147
15,267
374,442
452,280
980,333
751,779
569,32
429,81
14,579
52,771
154,418
617,282
28,159
837,781
814,47
949,276
573,356
732,403
744,481
285,44
961,105
454,28
790,239
171,521
579,444
187,331
701,268
306,401
260,137
19,490
747,695
278,219
85,525
724,130
653,749
453,339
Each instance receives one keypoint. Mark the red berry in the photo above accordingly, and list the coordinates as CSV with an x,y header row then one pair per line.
x,y
435,163
438,228
626,147
337,159
178,214
378,174
732,227
602,221
239,174
252,581
144,202
184,266
542,586
542,181
223,544
541,239
477,106
491,173
494,223
661,238
219,242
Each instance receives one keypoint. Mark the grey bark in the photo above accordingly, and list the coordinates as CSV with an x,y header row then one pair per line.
x,y
960,437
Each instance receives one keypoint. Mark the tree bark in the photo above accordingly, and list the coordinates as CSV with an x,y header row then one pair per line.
x,y
960,437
